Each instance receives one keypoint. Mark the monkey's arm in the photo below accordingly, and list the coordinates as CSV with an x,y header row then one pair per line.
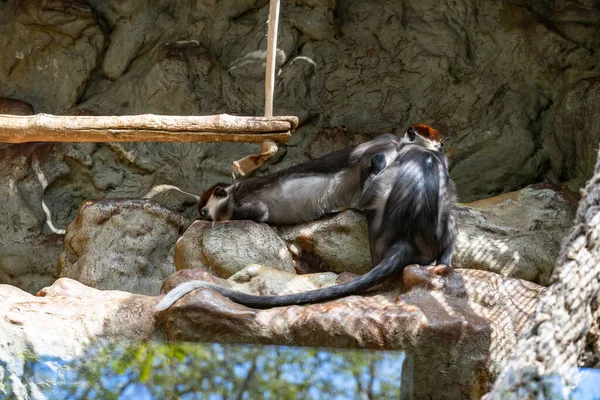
x,y
253,210
450,237
446,257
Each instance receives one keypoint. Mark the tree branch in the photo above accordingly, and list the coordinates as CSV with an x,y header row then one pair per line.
x,y
144,128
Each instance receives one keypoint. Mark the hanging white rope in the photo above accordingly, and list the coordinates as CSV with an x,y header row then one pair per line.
x,y
271,56
268,147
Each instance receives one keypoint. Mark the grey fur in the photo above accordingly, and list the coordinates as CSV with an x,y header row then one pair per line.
x,y
304,192
409,207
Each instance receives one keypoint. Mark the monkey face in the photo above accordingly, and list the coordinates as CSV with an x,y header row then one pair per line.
x,y
215,203
424,135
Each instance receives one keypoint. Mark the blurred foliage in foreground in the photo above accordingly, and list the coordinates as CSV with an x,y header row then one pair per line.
x,y
159,370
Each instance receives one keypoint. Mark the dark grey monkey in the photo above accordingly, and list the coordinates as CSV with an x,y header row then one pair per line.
x,y
409,207
304,192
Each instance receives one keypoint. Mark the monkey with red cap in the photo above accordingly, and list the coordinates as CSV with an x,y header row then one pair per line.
x,y
409,206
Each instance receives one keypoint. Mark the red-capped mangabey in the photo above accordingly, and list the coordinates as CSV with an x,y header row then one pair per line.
x,y
409,208
308,191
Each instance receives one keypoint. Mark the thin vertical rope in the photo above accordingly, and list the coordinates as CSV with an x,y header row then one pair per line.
x,y
271,56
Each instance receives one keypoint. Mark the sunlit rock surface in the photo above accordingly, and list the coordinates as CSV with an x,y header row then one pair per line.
x,y
462,323
338,244
224,248
61,322
507,303
123,245
264,280
455,327
517,234
62,319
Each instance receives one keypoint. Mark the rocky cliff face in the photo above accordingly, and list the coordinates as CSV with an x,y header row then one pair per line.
x,y
513,86
511,83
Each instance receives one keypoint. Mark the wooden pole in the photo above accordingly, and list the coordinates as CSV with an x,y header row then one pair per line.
x,y
144,128
271,56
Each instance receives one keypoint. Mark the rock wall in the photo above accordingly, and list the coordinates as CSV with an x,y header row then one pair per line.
x,y
132,245
512,85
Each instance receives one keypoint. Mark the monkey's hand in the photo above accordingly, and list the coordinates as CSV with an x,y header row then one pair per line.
x,y
378,163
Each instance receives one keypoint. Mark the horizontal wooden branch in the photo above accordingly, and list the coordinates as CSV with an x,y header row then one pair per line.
x,y
144,128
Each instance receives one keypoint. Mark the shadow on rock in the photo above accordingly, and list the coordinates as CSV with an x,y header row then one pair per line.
x,y
438,319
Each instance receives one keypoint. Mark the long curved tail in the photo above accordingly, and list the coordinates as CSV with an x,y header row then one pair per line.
x,y
394,262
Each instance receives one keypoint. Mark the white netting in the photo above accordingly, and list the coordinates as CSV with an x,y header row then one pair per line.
x,y
563,333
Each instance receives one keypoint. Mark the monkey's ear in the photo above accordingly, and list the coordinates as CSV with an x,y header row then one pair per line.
x,y
220,192
412,134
